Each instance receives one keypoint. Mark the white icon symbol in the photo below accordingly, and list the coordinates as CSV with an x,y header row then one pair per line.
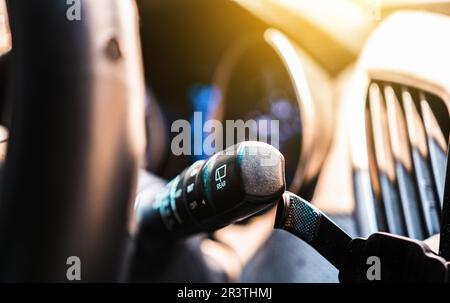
x,y
221,173
190,187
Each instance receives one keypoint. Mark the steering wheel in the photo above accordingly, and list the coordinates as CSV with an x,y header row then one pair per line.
x,y
75,88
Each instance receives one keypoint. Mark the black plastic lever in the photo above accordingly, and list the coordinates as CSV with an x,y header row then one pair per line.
x,y
400,259
302,219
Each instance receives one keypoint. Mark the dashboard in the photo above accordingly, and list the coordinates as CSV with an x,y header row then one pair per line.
x,y
338,122
354,100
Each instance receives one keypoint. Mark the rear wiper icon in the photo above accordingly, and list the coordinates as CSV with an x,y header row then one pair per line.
x,y
221,173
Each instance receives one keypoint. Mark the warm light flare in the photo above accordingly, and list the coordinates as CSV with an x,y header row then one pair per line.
x,y
5,34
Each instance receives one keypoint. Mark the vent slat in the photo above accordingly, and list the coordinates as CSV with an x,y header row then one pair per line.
x,y
437,145
407,133
403,166
378,212
385,163
425,184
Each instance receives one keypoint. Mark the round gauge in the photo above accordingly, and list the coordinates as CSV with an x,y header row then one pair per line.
x,y
261,79
260,90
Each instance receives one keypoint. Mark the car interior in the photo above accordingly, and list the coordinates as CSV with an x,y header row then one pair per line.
x,y
360,90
